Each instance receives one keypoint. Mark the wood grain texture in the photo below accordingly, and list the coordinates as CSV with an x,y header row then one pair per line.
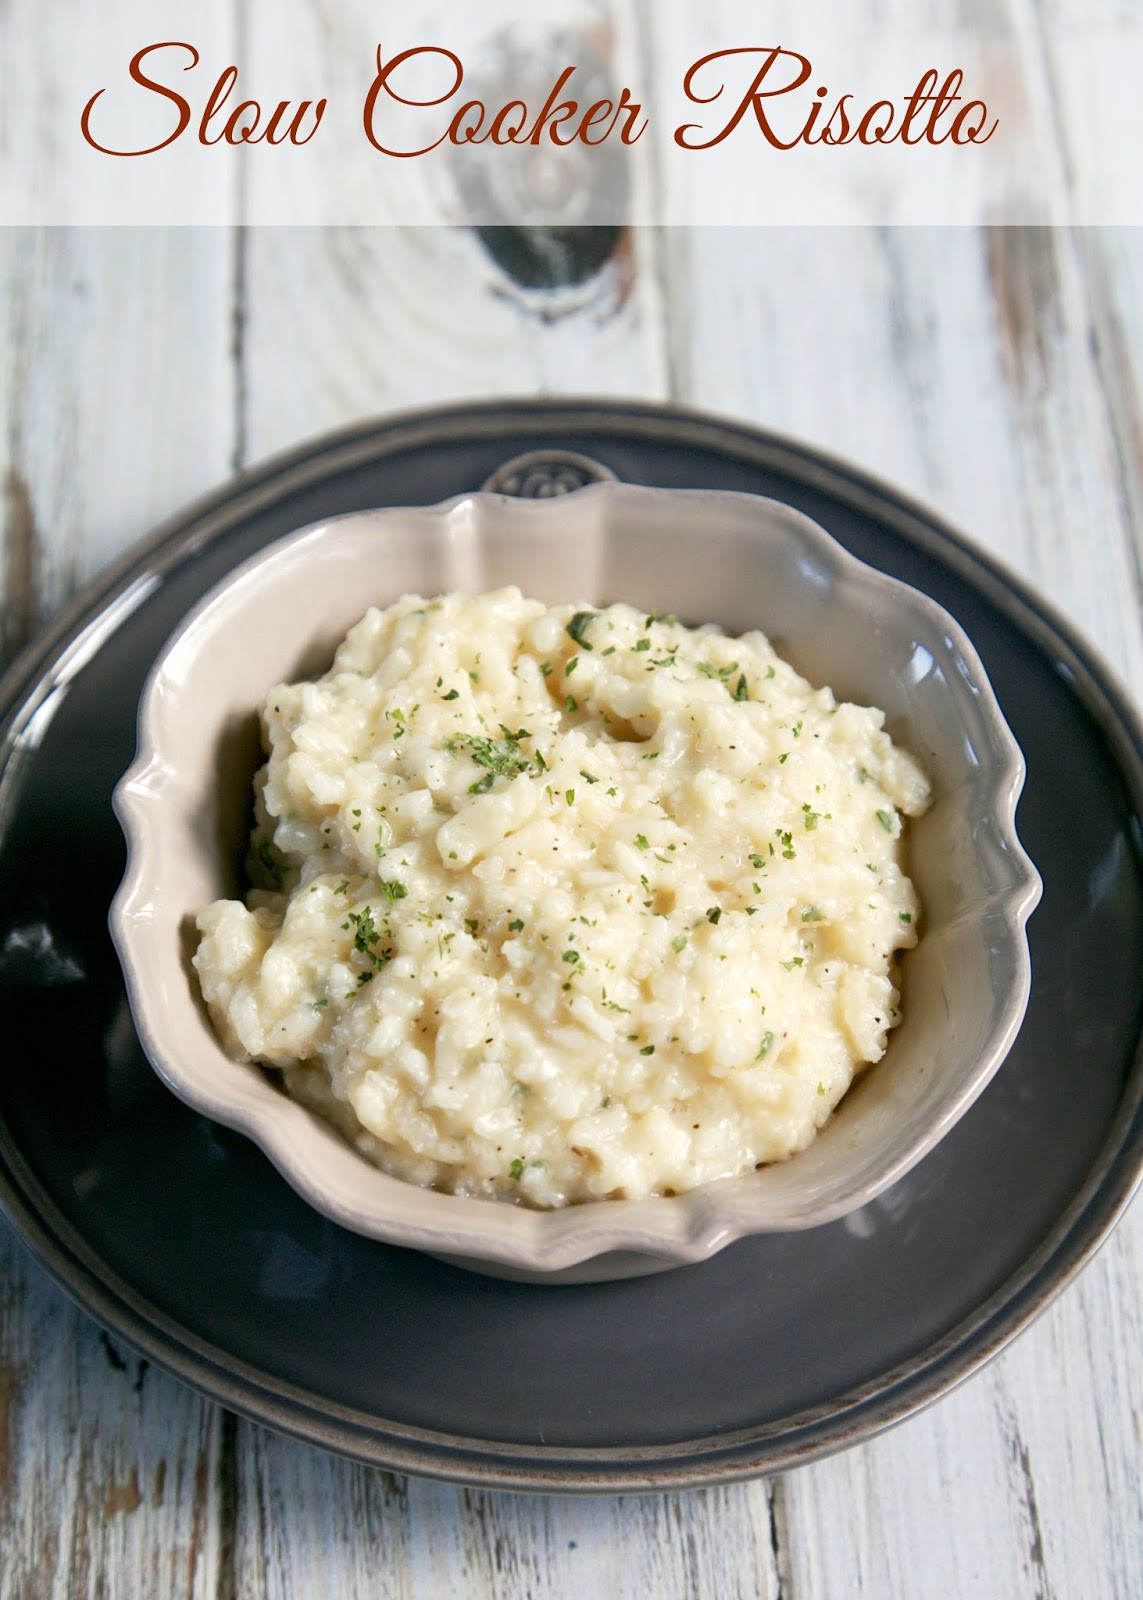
x,y
310,1526
116,397
107,1467
345,323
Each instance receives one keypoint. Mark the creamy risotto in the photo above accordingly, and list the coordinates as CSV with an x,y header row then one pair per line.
x,y
560,904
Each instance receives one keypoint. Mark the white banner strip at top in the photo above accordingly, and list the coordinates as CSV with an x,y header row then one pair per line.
x,y
567,113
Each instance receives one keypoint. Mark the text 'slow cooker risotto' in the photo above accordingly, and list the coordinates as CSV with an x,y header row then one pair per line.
x,y
560,904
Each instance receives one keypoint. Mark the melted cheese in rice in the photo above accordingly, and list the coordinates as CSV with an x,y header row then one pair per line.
x,y
562,904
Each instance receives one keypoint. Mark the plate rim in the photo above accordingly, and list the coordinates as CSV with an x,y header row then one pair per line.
x,y
1080,1231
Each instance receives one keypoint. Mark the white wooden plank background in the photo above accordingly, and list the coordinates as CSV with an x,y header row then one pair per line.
x,y
996,375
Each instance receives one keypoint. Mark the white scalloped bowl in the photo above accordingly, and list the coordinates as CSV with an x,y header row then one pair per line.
x,y
734,559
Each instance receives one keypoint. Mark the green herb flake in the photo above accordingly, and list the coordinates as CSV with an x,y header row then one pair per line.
x,y
719,674
394,891
790,965
679,945
366,937
516,1170
759,865
589,777
571,703
765,1047
641,842
453,694
885,818
647,1050
811,914
271,859
741,692
770,673
569,796
905,916
577,625
714,914
571,666
517,926
572,957
605,1102
500,758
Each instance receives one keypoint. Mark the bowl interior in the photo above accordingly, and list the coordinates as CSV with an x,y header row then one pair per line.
x,y
732,559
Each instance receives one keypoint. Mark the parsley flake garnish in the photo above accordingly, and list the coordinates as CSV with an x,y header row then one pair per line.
x,y
271,859
641,842
885,818
767,1042
678,945
516,1170
501,758
714,914
575,628
366,937
720,674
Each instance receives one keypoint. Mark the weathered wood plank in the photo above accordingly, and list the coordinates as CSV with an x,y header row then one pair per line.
x,y
116,397
311,1526
345,322
107,1468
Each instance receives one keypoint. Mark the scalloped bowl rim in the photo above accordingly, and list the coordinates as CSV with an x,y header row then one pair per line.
x,y
479,1233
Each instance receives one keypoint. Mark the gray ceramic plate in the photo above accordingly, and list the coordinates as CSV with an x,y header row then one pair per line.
x,y
180,1237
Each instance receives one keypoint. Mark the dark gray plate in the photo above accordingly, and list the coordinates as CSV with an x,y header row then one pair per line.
x,y
180,1237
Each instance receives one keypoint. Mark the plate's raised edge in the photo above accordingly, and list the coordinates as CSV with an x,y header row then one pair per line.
x,y
725,1458
1083,1227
